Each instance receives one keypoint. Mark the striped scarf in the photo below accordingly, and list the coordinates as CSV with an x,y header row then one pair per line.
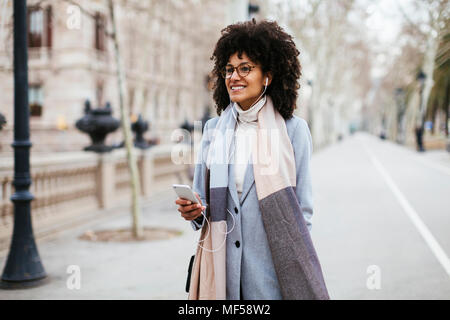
x,y
296,264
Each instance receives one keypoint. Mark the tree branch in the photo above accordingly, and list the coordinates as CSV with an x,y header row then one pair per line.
x,y
405,16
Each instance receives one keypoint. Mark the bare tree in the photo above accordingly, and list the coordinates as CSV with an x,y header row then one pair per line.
x,y
137,227
335,57
125,120
431,25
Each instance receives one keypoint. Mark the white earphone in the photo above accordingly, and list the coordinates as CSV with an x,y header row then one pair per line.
x,y
267,81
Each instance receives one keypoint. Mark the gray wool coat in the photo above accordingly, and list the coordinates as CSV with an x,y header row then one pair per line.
x,y
250,273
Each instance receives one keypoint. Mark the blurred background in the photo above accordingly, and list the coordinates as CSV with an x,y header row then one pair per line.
x,y
375,91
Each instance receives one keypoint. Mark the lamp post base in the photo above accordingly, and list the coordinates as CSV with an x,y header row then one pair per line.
x,y
17,285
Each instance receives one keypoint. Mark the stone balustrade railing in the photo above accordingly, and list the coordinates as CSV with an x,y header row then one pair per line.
x,y
68,186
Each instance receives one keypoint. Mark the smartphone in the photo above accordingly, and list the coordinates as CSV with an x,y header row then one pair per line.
x,y
184,191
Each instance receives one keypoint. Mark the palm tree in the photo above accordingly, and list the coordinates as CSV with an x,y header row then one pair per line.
x,y
440,93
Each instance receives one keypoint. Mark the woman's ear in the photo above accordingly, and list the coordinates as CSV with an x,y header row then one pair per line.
x,y
268,78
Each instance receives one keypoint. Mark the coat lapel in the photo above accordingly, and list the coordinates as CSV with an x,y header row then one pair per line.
x,y
249,180
232,184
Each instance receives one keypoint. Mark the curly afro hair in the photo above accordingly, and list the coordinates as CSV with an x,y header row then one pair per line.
x,y
267,44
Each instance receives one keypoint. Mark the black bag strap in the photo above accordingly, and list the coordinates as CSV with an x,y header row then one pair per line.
x,y
188,280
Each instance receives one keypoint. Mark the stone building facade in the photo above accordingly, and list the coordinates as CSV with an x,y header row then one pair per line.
x,y
165,47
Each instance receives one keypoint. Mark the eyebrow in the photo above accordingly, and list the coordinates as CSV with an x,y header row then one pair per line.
x,y
245,62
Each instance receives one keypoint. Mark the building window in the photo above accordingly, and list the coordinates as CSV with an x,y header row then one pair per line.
x,y
100,29
39,27
35,97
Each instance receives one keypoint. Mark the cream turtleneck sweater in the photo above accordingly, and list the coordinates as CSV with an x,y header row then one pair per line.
x,y
245,132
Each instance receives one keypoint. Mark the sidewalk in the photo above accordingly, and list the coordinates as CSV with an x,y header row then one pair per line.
x,y
133,270
437,158
158,269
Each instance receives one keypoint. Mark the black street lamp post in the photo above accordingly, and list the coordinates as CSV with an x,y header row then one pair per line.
x,y
253,10
23,266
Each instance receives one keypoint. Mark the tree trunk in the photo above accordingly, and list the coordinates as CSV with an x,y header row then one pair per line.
x,y
428,69
447,106
125,121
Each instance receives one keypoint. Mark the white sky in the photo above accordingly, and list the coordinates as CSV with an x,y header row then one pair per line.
x,y
385,18
384,23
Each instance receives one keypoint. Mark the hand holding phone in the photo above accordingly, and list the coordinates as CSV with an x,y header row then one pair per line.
x,y
189,203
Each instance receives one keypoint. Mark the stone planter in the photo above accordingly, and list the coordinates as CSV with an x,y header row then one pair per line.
x,y
2,121
98,123
139,128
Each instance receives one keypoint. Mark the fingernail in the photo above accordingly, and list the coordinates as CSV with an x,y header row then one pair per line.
x,y
188,202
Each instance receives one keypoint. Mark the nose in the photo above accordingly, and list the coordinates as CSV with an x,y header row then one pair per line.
x,y
235,75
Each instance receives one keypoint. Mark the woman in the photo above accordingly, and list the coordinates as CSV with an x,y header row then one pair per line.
x,y
252,175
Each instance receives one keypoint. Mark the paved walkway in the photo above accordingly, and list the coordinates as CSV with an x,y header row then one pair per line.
x,y
134,270
360,228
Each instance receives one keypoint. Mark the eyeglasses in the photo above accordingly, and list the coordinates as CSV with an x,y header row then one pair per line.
x,y
243,70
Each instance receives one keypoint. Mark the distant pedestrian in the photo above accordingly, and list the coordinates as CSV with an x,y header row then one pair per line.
x,y
258,182
419,138
382,133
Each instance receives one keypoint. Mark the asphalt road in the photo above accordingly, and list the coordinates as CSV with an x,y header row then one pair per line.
x,y
382,220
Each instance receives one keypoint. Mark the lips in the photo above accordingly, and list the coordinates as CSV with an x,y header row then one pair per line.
x,y
237,88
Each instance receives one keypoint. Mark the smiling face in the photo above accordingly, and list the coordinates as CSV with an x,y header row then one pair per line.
x,y
245,90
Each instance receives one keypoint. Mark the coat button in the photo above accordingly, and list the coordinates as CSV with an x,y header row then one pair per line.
x,y
236,210
238,244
